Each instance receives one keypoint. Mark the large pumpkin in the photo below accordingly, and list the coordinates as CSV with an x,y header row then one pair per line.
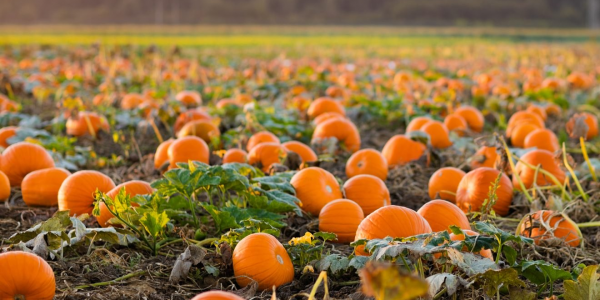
x,y
545,224
76,194
217,295
343,130
40,188
444,183
132,188
393,221
341,217
22,158
367,161
260,257
546,161
367,191
25,276
161,156
441,214
474,189
315,187
188,148
400,150
264,155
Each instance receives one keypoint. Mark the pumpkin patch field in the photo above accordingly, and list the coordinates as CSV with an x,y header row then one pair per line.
x,y
347,166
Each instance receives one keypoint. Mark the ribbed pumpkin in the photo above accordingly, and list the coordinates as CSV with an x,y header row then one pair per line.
x,y
438,134
546,161
400,150
484,157
416,123
25,276
323,105
474,188
203,129
394,221
487,253
341,217
235,156
76,193
315,187
217,295
189,98
441,214
4,187
261,137
443,181
85,123
260,257
188,116
305,152
367,191
22,158
132,188
544,139
473,117
264,155
6,133
188,148
40,188
545,224
161,156
343,130
367,161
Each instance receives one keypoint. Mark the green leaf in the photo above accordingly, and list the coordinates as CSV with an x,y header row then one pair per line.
x,y
358,262
587,286
493,280
325,236
334,262
223,219
510,254
154,222
470,263
541,272
212,270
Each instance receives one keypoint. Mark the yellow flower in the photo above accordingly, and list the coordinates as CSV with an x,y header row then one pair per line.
x,y
33,141
306,239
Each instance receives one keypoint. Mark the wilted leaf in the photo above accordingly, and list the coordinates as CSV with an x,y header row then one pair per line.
x,y
493,280
385,281
470,263
517,293
587,286
451,281
192,255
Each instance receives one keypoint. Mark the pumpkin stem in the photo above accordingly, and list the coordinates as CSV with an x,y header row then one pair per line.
x,y
19,297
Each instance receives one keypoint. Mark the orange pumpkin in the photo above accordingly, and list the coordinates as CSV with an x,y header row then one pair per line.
x,y
545,224
4,187
542,138
305,152
6,133
487,253
334,92
260,257
553,109
367,161
76,194
315,187
132,101
441,214
393,221
217,295
416,123
261,137
22,158
132,188
40,188
189,98
367,191
474,188
456,123
473,117
188,116
341,217
265,155
188,148
546,161
25,276
203,129
438,134
161,156
484,157
343,130
538,110
520,132
327,116
323,105
235,156
400,150
85,123
522,117
444,183
590,120
225,103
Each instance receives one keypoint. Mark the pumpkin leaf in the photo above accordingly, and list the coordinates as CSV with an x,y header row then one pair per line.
x,y
494,280
334,263
541,272
470,263
587,286
154,222
223,219
517,293
451,281
386,281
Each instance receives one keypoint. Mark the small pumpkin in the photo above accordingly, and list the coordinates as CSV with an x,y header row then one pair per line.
x,y
520,132
40,188
456,123
438,134
327,116
341,217
260,257
484,157
25,276
487,253
393,221
161,156
546,161
315,188
590,120
228,103
4,187
542,138
441,214
188,116
444,183
416,123
400,150
132,101
76,194
203,129
538,110
305,152
367,161
546,224
264,155
85,123
343,130
474,189
189,98
323,105
6,133
132,188
261,137
522,117
188,148
22,158
235,156
217,295
473,116
367,191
